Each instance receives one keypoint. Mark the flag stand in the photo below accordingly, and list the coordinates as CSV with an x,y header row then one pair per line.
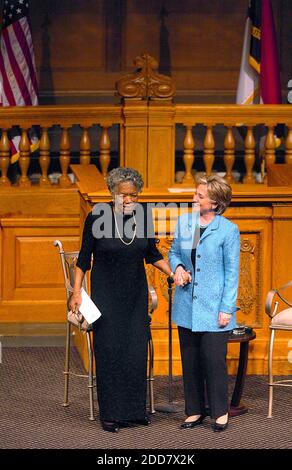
x,y
170,406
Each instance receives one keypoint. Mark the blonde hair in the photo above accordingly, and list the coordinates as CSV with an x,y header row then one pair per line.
x,y
219,191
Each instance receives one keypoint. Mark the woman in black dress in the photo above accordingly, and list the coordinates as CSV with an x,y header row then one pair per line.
x,y
120,236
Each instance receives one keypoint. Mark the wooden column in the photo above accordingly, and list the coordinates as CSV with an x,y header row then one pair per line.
x,y
147,135
85,147
104,147
209,148
44,158
160,168
270,146
249,157
24,153
229,145
64,180
189,158
4,158
136,136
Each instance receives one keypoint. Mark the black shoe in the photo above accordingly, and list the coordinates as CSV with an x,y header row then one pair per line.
x,y
217,427
110,426
144,421
125,424
192,424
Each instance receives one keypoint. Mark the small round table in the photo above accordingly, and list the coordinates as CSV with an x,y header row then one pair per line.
x,y
237,408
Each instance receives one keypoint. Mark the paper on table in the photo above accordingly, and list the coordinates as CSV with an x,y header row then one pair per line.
x,y
88,308
181,190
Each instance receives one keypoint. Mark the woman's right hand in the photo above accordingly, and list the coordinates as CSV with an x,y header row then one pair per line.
x,y
75,301
182,277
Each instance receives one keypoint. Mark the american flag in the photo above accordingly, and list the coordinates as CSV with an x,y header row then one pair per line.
x,y
17,66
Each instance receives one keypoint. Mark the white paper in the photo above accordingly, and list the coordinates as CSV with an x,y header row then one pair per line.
x,y
181,190
88,308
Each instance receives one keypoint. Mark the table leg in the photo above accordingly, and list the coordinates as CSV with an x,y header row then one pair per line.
x,y
236,408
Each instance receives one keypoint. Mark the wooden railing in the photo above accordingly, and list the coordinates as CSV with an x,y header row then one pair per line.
x,y
45,117
147,137
234,116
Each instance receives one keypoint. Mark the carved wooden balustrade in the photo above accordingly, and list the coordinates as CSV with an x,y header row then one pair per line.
x,y
233,116
149,124
146,138
65,117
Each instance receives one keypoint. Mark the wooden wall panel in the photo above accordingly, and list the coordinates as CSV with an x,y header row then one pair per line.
x,y
32,289
282,236
36,261
32,268
83,47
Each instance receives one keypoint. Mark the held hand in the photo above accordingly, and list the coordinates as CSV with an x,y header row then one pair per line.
x,y
75,301
182,277
224,319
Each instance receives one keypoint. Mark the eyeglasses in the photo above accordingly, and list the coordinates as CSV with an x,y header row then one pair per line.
x,y
132,196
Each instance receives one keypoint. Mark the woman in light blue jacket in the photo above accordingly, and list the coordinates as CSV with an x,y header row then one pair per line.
x,y
205,260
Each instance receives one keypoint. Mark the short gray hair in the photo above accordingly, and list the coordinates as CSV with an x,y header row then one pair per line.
x,y
219,191
123,175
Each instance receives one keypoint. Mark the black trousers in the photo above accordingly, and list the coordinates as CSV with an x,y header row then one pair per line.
x,y
204,361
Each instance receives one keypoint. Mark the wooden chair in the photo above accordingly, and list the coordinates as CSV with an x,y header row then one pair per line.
x,y
68,262
280,320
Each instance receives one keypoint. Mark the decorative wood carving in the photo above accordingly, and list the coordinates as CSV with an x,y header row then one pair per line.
x,y
164,249
146,82
150,274
246,295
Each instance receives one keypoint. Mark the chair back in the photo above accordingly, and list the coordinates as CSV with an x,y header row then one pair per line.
x,y
68,261
280,319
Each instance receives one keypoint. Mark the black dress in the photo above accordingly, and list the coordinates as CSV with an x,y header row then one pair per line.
x,y
119,289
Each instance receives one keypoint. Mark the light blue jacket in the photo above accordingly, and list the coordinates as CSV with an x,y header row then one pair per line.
x,y
214,284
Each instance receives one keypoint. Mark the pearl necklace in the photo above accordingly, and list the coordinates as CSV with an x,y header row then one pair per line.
x,y
118,232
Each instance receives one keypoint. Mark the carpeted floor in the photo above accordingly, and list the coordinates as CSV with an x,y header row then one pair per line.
x,y
32,415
